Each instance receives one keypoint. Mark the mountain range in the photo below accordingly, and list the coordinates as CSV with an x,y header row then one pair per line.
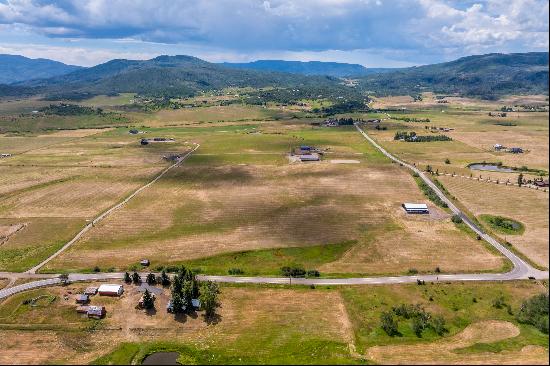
x,y
486,76
336,69
14,68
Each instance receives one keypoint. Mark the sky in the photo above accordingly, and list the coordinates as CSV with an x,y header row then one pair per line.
x,y
374,33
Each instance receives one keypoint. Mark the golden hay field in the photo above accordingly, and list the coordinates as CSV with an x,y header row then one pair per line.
x,y
527,206
219,203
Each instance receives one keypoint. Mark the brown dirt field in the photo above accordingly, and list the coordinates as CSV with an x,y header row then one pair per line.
x,y
527,206
3,282
213,210
441,352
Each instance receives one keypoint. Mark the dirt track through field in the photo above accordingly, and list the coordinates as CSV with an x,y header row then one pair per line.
x,y
112,209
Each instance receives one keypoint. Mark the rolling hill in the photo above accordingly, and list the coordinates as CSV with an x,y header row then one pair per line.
x,y
167,76
15,68
486,76
335,69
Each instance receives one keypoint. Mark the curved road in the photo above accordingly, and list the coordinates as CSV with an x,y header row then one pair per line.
x,y
521,270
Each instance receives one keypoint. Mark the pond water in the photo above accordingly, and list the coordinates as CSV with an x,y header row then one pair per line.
x,y
490,167
162,358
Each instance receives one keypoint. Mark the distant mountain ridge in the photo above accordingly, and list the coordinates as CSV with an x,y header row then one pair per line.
x,y
336,69
14,68
486,76
166,76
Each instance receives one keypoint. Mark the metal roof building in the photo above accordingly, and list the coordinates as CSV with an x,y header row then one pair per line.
x,y
110,290
420,208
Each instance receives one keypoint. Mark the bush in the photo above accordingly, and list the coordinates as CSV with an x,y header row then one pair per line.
x,y
388,324
313,273
534,311
499,303
457,219
293,271
97,269
235,271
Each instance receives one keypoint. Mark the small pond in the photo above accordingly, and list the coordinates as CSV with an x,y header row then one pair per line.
x,y
491,168
162,358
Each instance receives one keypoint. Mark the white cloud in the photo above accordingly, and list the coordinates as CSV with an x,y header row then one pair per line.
x,y
406,31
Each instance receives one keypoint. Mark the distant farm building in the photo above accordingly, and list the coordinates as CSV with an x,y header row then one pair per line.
x,y
110,290
144,262
541,183
499,147
96,312
5,155
90,291
82,299
196,303
416,208
515,150
310,157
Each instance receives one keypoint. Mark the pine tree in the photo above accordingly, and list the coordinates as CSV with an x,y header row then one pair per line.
x,y
164,279
209,298
520,179
148,300
178,304
136,278
151,279
127,278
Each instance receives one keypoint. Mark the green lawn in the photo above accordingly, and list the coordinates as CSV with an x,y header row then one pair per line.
x,y
269,262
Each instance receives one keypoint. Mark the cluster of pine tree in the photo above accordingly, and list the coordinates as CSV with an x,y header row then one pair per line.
x,y
185,288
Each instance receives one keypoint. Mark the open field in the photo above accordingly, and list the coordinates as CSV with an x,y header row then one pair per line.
x,y
527,206
275,324
239,193
54,184
474,137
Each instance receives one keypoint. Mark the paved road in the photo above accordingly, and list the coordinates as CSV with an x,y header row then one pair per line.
x,y
109,211
521,270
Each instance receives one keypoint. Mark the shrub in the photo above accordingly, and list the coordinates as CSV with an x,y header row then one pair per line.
x,y
235,271
534,311
457,219
293,271
388,324
313,273
499,302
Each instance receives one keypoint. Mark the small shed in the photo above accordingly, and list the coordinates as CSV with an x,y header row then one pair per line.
x,y
309,157
110,290
90,291
144,262
82,299
196,303
96,312
416,208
